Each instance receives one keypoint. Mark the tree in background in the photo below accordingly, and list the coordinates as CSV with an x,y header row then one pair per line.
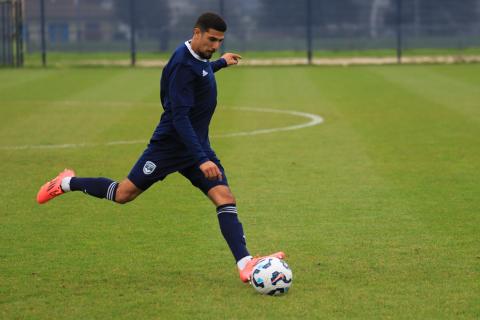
x,y
430,17
448,17
152,20
435,17
281,14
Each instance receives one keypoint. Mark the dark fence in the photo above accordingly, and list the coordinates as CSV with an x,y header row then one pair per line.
x,y
129,31
11,32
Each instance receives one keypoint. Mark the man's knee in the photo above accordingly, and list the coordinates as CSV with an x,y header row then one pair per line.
x,y
221,195
122,198
229,198
126,192
226,199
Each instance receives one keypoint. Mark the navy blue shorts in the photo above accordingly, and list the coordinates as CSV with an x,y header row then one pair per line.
x,y
152,167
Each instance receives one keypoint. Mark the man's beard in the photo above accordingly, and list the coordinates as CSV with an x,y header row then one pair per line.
x,y
205,55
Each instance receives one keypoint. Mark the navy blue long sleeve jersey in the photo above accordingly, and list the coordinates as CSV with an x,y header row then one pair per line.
x,y
189,97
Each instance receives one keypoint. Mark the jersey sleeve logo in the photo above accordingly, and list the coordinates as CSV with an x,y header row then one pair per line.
x,y
149,167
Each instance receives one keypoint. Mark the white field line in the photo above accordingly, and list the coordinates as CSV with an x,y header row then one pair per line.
x,y
313,121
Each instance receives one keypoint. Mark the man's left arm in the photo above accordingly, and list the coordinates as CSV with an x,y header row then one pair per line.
x,y
226,60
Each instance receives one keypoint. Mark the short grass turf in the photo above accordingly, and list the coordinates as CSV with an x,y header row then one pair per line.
x,y
377,208
75,59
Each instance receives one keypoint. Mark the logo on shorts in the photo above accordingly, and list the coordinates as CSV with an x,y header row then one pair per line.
x,y
149,167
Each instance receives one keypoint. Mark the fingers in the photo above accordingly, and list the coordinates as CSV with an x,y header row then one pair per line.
x,y
209,174
231,58
214,173
232,55
218,175
235,58
211,171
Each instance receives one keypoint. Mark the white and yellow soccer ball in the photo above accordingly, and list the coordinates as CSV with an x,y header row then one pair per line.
x,y
271,276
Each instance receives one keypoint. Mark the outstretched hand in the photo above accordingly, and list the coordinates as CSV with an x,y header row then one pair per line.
x,y
231,58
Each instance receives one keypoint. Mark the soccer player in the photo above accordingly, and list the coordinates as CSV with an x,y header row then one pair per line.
x,y
180,141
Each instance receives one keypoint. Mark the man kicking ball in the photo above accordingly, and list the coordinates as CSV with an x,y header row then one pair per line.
x,y
180,141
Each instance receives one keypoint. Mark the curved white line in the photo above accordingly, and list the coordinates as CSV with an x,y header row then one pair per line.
x,y
314,120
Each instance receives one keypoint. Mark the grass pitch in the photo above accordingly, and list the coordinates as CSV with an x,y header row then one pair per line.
x,y
377,208
82,59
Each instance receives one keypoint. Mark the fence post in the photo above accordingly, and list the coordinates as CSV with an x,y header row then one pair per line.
x,y
42,31
399,31
133,48
3,37
8,32
19,32
309,30
222,14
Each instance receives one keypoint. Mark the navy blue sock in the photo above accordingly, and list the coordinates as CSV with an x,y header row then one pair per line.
x,y
97,187
232,230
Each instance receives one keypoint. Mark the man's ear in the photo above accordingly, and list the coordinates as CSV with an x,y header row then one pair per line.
x,y
197,32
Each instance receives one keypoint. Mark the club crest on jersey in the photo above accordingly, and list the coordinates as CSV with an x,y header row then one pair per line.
x,y
149,167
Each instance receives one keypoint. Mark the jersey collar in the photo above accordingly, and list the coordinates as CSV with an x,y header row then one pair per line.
x,y
194,54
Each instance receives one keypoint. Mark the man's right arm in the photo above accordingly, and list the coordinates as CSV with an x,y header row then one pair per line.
x,y
182,99
181,94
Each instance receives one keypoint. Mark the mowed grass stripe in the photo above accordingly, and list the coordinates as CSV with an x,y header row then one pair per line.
x,y
129,85
379,218
420,138
409,148
17,84
263,87
447,89
348,203
374,208
51,122
47,117
20,79
308,191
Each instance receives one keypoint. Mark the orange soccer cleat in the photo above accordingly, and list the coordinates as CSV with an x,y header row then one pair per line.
x,y
246,273
53,188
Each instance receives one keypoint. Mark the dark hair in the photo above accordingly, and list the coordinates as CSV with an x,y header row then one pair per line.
x,y
210,20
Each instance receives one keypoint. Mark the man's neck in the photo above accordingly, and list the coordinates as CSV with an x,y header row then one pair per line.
x,y
191,45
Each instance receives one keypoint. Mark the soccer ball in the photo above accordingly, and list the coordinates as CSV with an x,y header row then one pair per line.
x,y
271,276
